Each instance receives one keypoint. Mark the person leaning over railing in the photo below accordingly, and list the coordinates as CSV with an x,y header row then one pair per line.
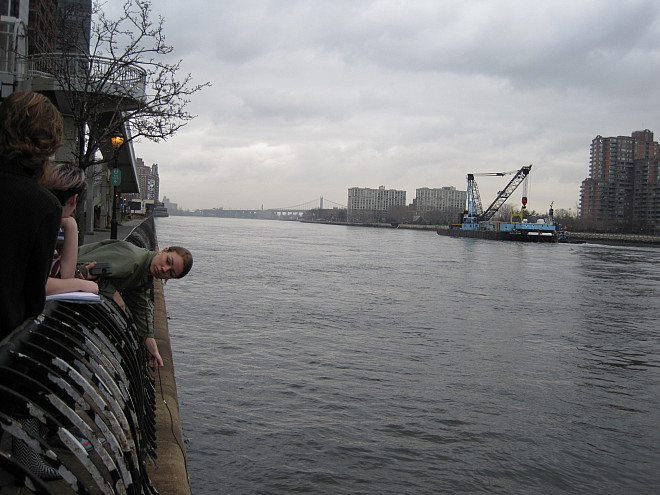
x,y
131,279
30,133
67,182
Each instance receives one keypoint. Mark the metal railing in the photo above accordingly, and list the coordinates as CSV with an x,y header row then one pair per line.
x,y
77,403
81,70
144,234
78,374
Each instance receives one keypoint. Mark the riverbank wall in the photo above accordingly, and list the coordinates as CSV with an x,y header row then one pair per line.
x,y
588,237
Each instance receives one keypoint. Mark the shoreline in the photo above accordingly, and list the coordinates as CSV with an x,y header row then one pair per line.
x,y
581,237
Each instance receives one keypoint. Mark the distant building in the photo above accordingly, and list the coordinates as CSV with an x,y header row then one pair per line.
x,y
148,182
172,208
440,205
622,192
373,205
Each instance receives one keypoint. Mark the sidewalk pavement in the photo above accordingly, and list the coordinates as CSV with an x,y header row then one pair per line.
x,y
123,229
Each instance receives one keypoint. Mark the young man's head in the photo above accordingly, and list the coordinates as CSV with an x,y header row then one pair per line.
x,y
172,262
66,182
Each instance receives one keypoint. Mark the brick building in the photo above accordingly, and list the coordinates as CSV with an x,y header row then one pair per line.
x,y
622,192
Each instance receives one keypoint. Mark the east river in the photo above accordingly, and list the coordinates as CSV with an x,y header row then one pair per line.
x,y
347,360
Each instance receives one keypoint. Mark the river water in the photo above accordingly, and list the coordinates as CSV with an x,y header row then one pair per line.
x,y
346,360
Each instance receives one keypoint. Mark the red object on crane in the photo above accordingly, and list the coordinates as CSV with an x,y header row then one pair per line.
x,y
524,195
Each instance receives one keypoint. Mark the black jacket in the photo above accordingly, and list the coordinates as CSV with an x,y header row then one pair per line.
x,y
31,218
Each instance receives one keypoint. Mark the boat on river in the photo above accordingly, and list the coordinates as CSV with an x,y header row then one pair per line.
x,y
161,211
478,223
504,231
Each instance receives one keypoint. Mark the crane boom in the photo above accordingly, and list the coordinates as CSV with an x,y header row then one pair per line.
x,y
504,194
473,198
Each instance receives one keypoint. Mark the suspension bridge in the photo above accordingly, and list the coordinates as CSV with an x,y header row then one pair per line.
x,y
294,211
320,204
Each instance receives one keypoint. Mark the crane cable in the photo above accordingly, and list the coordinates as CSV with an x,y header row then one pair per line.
x,y
525,191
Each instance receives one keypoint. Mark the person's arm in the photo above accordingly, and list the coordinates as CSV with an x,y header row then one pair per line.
x,y
62,285
69,251
155,360
139,303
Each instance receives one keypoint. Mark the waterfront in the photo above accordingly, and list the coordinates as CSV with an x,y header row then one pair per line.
x,y
330,359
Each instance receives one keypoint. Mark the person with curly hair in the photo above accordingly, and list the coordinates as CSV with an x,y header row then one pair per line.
x,y
30,134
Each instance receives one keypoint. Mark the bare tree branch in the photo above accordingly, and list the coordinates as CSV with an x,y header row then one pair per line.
x,y
119,76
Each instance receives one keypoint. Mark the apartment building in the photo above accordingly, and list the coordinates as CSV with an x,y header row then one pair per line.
x,y
373,205
440,205
148,180
622,192
42,26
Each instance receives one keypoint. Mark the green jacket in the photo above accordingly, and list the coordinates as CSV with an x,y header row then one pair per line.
x,y
131,276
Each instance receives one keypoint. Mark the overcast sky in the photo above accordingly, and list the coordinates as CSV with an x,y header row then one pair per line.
x,y
310,98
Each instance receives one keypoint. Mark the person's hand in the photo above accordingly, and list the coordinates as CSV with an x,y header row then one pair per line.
x,y
155,361
89,266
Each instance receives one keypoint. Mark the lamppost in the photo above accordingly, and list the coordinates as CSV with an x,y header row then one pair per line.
x,y
115,180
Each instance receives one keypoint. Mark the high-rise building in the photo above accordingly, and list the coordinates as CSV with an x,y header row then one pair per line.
x,y
622,192
373,205
440,205
148,181
42,26
74,24
59,26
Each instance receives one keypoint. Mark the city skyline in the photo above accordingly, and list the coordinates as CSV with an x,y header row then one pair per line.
x,y
312,99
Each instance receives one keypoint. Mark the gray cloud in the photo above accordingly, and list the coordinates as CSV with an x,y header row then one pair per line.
x,y
310,98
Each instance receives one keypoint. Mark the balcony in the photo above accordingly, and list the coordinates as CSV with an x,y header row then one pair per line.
x,y
13,47
50,71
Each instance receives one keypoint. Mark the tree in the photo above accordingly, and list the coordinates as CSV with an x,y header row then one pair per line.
x,y
115,76
124,79
400,214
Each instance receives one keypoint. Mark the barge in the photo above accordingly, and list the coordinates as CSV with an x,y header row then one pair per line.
x,y
478,223
504,231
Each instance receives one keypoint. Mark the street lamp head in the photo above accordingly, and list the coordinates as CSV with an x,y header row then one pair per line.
x,y
117,141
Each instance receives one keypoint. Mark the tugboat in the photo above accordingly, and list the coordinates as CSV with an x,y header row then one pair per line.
x,y
477,222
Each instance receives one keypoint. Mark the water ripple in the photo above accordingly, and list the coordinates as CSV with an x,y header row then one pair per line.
x,y
334,360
